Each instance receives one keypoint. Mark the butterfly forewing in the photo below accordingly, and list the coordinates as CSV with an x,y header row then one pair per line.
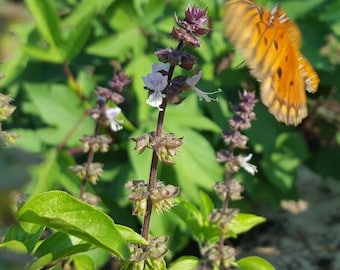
x,y
270,43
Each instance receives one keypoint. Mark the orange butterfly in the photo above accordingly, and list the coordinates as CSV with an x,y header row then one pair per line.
x,y
271,43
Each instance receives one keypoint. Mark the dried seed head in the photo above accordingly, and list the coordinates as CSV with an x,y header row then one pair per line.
x,y
139,195
163,197
6,109
223,218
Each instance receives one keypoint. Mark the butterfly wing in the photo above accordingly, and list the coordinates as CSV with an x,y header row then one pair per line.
x,y
283,92
270,43
251,29
311,78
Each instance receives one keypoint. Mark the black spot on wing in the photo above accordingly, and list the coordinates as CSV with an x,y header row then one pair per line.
x,y
279,72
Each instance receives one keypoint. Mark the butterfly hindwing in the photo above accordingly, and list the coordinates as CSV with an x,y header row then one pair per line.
x,y
283,92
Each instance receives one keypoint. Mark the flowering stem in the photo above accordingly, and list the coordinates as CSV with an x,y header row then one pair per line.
x,y
153,170
180,47
224,210
154,161
89,161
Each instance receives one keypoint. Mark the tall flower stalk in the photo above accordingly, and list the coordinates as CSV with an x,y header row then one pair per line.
x,y
222,255
104,116
164,88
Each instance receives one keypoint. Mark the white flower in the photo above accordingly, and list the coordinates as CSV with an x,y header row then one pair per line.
x,y
192,81
159,67
243,161
111,115
155,99
156,82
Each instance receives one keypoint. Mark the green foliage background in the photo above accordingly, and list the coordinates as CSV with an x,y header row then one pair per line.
x,y
92,37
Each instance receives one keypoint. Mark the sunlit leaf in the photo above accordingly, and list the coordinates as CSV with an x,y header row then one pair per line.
x,y
61,211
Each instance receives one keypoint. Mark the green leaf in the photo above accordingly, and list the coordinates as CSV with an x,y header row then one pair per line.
x,y
56,247
127,43
185,262
136,69
281,165
206,204
244,222
83,262
29,140
13,246
47,21
130,235
77,37
99,256
190,215
123,13
195,118
13,67
53,55
44,172
27,233
196,167
61,110
61,211
54,173
254,263
296,8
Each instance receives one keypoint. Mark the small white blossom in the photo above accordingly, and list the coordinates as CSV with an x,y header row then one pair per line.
x,y
155,99
111,115
192,81
243,161
155,82
156,67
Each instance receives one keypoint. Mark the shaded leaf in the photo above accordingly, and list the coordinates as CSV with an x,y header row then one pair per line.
x,y
47,20
56,247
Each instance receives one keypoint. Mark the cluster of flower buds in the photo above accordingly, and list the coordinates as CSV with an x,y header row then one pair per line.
x,y
6,109
222,259
165,146
162,196
106,116
222,217
243,115
153,253
244,111
191,27
110,116
90,172
232,188
96,143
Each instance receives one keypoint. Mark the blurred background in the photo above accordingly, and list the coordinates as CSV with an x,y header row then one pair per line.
x,y
54,54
